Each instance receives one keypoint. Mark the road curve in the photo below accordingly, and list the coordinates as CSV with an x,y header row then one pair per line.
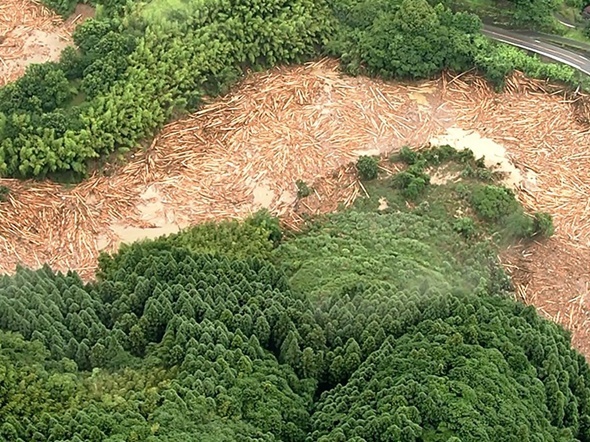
x,y
530,43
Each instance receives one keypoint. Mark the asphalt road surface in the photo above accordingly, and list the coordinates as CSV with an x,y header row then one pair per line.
x,y
534,44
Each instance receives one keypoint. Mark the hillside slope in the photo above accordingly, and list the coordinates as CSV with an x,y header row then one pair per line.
x,y
202,336
197,170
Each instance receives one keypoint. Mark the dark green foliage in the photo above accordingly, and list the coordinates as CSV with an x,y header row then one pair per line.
x,y
412,181
255,237
463,367
436,156
398,327
4,192
43,88
193,317
403,39
303,190
499,206
479,173
493,203
367,167
543,224
538,13
407,155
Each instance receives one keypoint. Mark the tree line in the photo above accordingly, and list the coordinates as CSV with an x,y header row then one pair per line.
x,y
135,66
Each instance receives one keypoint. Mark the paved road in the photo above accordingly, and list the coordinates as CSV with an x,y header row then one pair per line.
x,y
535,44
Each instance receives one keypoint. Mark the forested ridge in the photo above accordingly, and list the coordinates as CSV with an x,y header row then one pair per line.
x,y
136,65
393,324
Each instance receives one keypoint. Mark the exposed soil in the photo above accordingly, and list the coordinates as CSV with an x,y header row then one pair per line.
x,y
30,33
495,154
246,150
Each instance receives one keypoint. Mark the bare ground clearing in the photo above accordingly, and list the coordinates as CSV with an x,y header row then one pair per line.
x,y
31,33
246,150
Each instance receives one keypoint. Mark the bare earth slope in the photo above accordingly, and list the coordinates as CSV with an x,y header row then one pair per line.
x,y
246,150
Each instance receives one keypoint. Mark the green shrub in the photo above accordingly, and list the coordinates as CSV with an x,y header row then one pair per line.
x,y
543,224
433,156
367,168
517,225
408,155
478,173
268,224
412,181
492,203
43,88
4,192
465,226
407,39
303,190
62,7
439,155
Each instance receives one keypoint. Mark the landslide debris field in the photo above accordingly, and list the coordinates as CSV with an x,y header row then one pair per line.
x,y
31,33
246,150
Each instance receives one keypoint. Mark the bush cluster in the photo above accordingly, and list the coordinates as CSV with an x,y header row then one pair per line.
x,y
367,167
499,205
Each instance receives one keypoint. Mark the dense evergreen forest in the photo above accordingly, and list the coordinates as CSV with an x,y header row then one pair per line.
x,y
138,64
393,324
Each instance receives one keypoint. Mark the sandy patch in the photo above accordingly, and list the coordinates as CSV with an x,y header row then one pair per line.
x,y
440,176
158,219
31,33
263,196
495,155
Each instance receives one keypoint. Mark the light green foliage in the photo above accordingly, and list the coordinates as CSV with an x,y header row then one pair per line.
x,y
140,63
62,7
135,70
421,248
497,61
465,226
367,167
401,250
